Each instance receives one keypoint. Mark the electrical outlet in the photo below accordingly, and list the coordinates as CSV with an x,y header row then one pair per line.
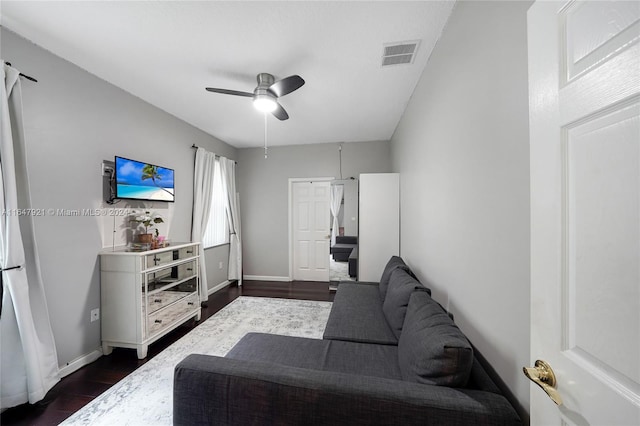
x,y
95,314
219,265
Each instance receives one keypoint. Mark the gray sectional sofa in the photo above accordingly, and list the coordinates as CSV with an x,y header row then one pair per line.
x,y
343,247
390,355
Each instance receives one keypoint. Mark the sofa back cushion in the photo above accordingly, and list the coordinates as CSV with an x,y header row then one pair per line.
x,y
346,239
394,306
432,349
393,263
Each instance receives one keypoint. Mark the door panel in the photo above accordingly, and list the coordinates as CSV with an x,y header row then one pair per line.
x,y
321,258
303,254
593,31
303,217
603,247
584,91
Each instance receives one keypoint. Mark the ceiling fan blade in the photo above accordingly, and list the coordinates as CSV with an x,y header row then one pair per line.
x,y
230,92
286,85
280,113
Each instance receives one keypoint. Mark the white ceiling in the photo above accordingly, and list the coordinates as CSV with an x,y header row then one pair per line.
x,y
167,53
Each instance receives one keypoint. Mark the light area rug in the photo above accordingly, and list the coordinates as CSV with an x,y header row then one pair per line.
x,y
339,271
145,397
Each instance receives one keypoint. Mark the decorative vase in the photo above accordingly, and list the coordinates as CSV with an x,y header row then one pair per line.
x,y
145,238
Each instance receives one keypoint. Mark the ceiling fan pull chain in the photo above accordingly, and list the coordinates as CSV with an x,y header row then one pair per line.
x,y
265,135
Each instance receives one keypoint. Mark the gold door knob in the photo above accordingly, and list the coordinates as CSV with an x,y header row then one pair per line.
x,y
543,376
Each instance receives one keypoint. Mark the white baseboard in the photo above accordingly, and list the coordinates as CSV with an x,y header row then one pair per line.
x,y
218,287
80,362
265,278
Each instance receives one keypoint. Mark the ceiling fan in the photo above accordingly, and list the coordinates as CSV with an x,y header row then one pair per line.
x,y
265,95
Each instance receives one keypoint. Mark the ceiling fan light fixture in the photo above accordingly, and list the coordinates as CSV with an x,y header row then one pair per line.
x,y
266,94
264,103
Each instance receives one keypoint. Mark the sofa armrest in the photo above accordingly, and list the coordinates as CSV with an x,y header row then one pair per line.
x,y
225,391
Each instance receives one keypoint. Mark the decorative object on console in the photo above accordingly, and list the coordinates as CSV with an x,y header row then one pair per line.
x,y
139,247
147,220
162,241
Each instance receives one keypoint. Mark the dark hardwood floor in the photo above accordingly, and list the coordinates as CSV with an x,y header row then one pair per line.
x,y
78,389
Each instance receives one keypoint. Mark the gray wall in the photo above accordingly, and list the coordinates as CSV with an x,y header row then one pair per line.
x,y
73,121
216,260
263,185
462,151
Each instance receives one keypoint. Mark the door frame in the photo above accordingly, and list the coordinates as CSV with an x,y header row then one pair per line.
x,y
290,213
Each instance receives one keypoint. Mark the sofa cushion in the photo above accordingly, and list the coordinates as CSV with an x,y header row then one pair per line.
x,y
401,285
326,355
305,353
356,315
392,264
346,239
432,349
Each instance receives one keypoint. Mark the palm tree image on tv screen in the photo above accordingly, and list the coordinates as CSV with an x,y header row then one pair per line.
x,y
143,181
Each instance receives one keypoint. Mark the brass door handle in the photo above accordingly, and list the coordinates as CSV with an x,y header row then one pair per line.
x,y
543,376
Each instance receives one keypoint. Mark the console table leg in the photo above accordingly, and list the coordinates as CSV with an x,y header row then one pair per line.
x,y
106,349
142,351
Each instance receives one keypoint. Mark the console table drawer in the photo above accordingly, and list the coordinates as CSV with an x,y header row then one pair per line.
x,y
167,316
170,276
187,252
163,299
158,259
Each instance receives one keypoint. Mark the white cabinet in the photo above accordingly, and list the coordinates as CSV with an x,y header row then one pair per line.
x,y
145,295
379,227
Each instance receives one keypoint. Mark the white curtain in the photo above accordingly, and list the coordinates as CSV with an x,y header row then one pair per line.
x,y
202,186
28,359
233,215
336,202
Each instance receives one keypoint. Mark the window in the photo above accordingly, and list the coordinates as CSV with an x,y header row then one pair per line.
x,y
217,231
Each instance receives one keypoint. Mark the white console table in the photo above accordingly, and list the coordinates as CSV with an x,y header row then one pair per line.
x,y
145,295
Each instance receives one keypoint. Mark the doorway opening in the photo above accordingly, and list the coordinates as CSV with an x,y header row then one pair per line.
x,y
343,253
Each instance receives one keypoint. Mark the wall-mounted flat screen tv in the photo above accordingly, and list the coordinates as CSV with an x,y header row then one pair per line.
x,y
136,180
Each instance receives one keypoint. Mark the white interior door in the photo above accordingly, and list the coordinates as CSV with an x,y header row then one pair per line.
x,y
311,234
584,82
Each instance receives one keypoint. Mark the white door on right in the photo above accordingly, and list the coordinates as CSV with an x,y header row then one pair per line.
x,y
584,106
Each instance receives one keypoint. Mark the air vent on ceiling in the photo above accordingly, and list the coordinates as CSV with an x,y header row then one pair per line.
x,y
399,53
